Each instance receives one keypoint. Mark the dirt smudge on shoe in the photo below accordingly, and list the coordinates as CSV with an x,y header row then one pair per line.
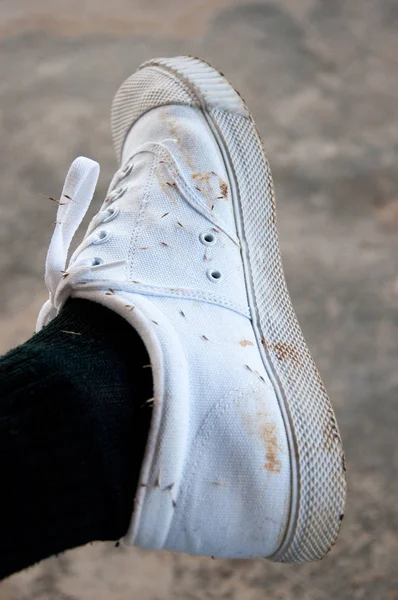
x,y
202,177
245,343
283,351
172,129
170,122
207,183
268,433
257,423
223,188
331,436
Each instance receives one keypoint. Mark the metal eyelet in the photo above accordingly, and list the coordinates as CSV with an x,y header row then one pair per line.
x,y
214,275
127,170
115,195
96,261
208,238
101,237
112,214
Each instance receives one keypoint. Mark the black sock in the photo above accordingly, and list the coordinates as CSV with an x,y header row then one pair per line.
x,y
72,434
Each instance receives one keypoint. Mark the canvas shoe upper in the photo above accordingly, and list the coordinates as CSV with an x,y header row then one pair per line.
x,y
234,428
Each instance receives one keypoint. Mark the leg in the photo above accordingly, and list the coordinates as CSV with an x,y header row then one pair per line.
x,y
72,434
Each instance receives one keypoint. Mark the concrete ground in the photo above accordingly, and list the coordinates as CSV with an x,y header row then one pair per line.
x,y
321,79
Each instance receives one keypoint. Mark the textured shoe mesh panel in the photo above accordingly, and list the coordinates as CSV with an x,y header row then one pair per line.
x,y
321,459
146,89
214,90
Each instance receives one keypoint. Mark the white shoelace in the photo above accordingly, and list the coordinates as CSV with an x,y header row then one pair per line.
x,y
77,193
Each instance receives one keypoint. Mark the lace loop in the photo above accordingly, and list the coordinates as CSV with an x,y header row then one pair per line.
x,y
78,190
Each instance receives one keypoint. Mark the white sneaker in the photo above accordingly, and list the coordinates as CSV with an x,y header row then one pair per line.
x,y
244,456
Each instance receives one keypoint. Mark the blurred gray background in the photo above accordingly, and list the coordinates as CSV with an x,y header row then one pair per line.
x,y
321,77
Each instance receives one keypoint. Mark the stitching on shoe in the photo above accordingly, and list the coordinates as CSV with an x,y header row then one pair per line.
x,y
138,225
152,290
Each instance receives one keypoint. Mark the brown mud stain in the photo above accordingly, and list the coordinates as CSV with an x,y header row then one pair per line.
x,y
268,434
223,188
257,423
245,343
206,185
344,462
169,120
283,351
202,177
331,435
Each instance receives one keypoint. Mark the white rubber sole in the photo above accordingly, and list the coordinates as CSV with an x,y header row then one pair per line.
x,y
316,454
